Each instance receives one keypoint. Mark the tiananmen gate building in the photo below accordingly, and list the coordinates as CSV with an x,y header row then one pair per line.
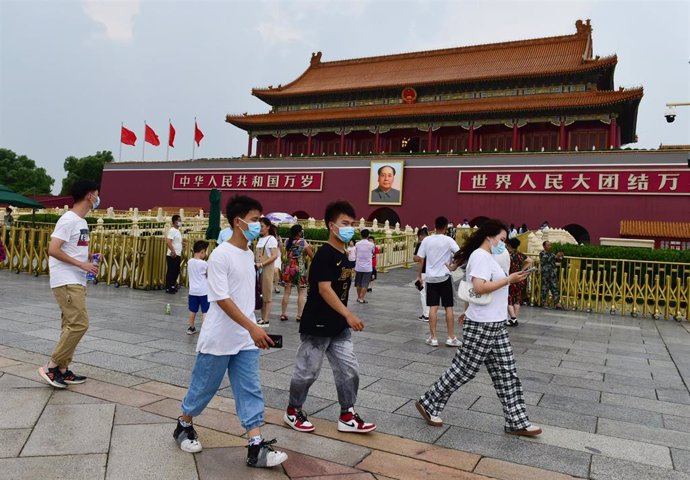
x,y
525,131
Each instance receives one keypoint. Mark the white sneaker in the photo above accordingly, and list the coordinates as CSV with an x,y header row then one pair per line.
x,y
453,342
187,438
431,341
432,420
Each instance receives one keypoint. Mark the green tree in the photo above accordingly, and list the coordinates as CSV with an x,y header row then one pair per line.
x,y
21,174
90,167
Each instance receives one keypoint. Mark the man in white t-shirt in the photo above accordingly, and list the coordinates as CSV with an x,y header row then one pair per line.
x,y
364,251
68,263
438,250
173,256
229,339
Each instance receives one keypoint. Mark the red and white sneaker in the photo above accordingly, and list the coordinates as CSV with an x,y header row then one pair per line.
x,y
298,420
351,422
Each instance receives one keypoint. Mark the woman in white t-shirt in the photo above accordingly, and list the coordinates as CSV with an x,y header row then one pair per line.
x,y
265,254
485,339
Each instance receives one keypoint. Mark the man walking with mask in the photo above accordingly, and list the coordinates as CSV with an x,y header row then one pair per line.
x,y
325,328
173,257
69,263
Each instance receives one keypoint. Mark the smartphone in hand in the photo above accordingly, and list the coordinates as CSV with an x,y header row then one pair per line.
x,y
277,340
419,285
530,270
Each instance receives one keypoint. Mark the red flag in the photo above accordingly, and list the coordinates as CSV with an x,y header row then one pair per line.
x,y
128,137
171,136
151,137
197,134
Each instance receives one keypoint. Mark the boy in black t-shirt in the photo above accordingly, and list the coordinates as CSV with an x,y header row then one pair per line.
x,y
325,327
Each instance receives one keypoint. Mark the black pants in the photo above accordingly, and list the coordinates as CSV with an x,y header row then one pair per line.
x,y
173,271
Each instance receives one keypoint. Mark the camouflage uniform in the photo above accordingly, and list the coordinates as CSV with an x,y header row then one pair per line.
x,y
549,277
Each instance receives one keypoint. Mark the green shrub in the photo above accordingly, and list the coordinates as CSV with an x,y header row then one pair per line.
x,y
625,253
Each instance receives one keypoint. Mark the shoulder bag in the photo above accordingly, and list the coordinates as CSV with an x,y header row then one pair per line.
x,y
466,293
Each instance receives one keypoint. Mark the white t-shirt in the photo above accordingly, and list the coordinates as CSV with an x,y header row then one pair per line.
x,y
198,283
73,230
352,253
364,250
268,243
503,260
438,251
483,265
175,235
224,234
231,275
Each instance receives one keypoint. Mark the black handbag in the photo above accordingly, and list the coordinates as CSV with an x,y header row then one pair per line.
x,y
258,297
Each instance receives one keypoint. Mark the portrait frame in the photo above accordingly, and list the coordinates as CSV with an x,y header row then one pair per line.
x,y
375,190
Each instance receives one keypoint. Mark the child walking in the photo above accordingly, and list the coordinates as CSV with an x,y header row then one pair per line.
x,y
230,339
198,284
325,329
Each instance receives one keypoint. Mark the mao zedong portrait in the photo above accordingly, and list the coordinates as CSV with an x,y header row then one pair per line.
x,y
385,193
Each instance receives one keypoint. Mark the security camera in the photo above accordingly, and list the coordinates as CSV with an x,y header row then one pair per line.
x,y
670,114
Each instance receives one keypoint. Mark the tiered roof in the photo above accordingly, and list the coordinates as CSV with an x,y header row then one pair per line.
x,y
567,54
650,228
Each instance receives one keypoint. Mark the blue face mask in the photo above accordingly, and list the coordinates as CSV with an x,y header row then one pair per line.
x,y
252,233
498,248
345,233
96,203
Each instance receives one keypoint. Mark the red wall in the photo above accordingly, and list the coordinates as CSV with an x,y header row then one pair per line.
x,y
427,193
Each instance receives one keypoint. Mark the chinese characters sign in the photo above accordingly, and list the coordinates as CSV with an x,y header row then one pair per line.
x,y
249,180
601,182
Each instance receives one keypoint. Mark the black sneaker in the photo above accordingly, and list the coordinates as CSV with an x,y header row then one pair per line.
x,y
71,378
512,322
191,331
186,438
53,376
263,455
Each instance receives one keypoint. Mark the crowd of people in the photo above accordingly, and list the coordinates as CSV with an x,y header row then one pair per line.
x,y
237,280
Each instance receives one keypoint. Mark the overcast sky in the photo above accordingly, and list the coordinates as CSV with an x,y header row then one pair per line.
x,y
71,71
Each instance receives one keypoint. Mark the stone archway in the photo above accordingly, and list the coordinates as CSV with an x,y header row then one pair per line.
x,y
301,215
384,213
578,232
478,221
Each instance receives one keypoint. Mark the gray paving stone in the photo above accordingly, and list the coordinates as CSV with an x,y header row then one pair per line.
x,y
516,450
632,415
173,375
126,415
77,436
675,422
646,404
605,468
154,454
8,382
115,362
63,467
172,359
606,386
21,407
120,336
65,397
46,347
681,459
12,441
562,390
660,436
225,463
329,449
118,348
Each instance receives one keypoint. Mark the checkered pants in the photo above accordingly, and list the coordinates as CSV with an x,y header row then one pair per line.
x,y
486,343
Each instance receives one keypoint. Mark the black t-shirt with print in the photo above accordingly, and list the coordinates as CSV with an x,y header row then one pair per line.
x,y
318,318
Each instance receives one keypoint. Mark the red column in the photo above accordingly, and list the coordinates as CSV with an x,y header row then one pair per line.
x,y
342,141
278,147
249,145
429,140
563,138
309,144
516,138
613,133
376,141
470,146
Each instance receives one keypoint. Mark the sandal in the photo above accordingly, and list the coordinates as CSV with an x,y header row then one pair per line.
x,y
283,318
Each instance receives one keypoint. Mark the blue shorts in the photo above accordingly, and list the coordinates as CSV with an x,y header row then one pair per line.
x,y
196,301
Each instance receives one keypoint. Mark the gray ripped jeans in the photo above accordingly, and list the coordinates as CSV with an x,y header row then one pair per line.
x,y
341,357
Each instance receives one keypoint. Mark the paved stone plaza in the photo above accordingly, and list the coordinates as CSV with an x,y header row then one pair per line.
x,y
610,393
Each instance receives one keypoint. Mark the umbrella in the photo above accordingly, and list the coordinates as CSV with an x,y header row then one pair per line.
x,y
11,198
213,215
280,217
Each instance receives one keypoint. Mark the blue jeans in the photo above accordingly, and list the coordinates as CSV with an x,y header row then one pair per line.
x,y
243,372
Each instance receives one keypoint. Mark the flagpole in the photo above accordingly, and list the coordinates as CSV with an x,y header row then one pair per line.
x,y
194,138
122,124
143,144
168,149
